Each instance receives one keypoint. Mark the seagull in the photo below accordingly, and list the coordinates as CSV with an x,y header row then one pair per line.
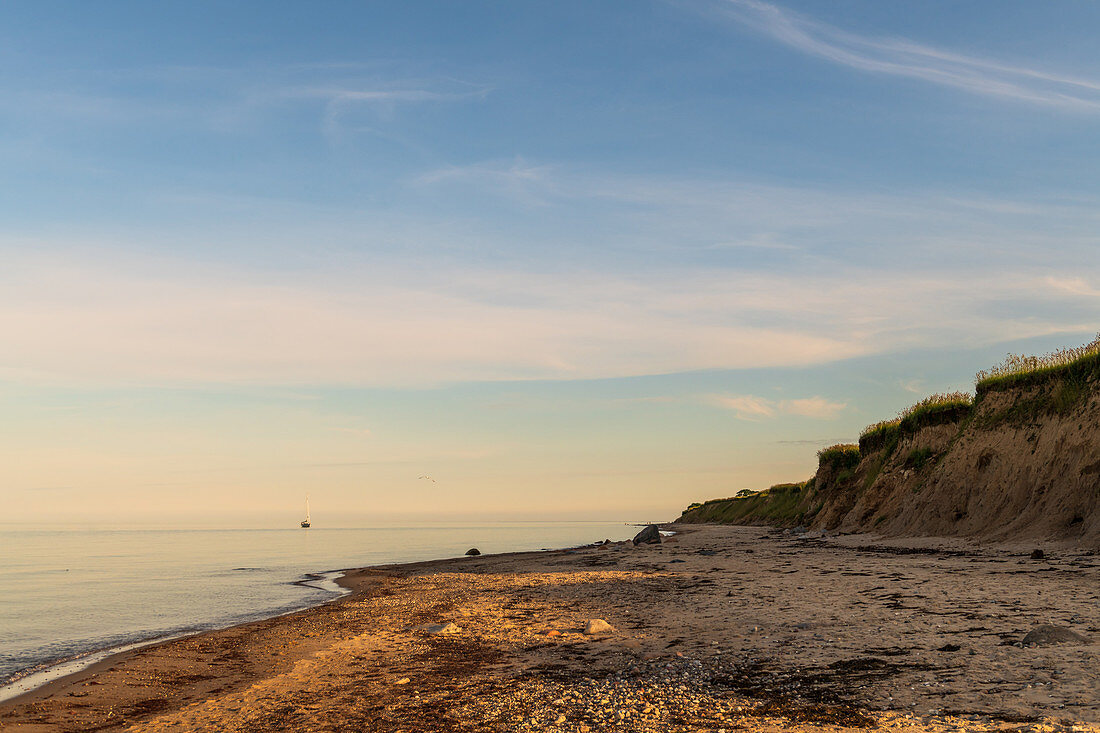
x,y
428,478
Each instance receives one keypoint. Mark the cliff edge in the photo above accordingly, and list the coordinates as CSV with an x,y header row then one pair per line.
x,y
1020,460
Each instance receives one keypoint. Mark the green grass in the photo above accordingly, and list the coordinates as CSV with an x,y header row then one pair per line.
x,y
937,409
776,505
840,456
877,436
1059,383
1072,365
917,458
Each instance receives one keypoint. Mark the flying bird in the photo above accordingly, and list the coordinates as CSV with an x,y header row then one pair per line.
x,y
429,478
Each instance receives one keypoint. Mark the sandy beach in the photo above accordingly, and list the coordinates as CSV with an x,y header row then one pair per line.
x,y
734,628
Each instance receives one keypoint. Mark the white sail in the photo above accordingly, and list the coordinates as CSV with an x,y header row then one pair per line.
x,y
307,508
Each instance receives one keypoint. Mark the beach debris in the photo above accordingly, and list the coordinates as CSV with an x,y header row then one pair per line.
x,y
403,681
1037,554
598,626
1048,634
473,551
648,536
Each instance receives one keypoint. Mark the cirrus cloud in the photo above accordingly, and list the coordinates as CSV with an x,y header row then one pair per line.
x,y
751,407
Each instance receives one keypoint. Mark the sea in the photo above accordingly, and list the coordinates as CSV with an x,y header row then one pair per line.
x,y
70,597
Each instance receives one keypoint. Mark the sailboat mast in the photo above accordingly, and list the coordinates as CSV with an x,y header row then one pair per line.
x,y
307,507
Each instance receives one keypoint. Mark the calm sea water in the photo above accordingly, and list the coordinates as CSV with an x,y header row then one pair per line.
x,y
67,593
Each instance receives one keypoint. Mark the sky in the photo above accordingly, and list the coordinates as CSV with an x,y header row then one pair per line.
x,y
572,260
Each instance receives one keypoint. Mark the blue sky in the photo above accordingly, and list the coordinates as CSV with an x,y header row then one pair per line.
x,y
577,259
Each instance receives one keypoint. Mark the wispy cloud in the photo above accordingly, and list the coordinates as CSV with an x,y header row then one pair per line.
x,y
338,95
732,220
221,99
515,178
902,57
113,318
751,407
916,386
819,441
746,407
1073,286
817,407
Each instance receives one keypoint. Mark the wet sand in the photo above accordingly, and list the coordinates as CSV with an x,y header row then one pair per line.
x,y
731,628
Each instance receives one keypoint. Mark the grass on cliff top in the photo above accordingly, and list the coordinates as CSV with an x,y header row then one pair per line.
x,y
932,410
778,504
1077,364
839,456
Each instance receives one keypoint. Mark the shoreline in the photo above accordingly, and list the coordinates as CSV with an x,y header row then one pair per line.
x,y
98,658
716,627
83,661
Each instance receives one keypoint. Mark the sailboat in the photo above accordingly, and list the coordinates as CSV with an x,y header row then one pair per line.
x,y
305,522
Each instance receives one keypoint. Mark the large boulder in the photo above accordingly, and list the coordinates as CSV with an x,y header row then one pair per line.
x,y
648,536
473,551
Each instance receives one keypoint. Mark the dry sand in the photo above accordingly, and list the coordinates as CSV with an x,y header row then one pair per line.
x,y
733,628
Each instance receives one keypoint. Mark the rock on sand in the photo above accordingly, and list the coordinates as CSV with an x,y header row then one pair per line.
x,y
447,628
648,536
598,626
1047,634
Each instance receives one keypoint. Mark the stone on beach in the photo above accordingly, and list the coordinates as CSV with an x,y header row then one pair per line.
x,y
1048,634
648,536
447,628
473,551
598,626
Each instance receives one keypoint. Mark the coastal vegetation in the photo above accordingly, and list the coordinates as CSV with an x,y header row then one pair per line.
x,y
917,458
1077,364
839,456
937,409
779,504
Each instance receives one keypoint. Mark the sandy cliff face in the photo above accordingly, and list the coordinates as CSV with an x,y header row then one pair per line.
x,y
1024,464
